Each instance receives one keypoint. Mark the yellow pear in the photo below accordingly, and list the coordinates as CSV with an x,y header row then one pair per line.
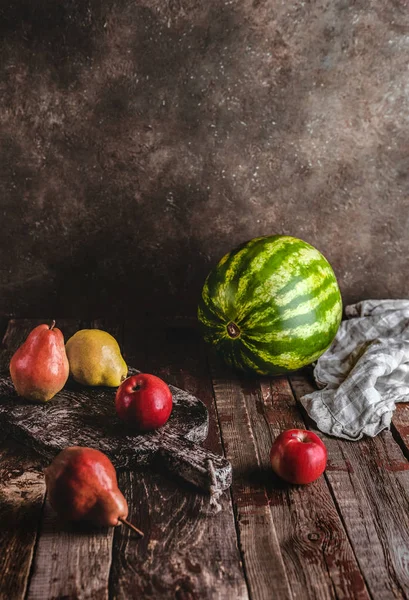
x,y
95,358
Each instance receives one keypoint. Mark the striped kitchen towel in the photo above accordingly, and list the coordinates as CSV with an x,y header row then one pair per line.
x,y
365,372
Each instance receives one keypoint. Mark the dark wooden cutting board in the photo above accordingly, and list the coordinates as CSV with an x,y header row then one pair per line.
x,y
81,416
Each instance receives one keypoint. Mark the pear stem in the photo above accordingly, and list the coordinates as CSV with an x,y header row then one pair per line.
x,y
131,526
52,325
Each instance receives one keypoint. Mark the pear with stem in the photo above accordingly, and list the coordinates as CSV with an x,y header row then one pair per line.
x,y
82,485
39,368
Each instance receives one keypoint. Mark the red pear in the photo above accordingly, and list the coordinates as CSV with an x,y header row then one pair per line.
x,y
39,368
82,485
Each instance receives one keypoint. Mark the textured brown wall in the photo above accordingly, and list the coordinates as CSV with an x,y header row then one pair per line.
x,y
142,140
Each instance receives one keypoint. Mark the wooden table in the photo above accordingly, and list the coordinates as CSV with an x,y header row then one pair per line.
x,y
344,536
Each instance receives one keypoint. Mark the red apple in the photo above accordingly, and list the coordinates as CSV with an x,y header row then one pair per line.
x,y
298,456
144,401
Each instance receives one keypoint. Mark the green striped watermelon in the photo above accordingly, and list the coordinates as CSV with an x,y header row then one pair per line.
x,y
271,306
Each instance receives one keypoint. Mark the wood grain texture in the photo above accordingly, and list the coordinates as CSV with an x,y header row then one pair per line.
x,y
306,515
187,552
85,416
81,416
345,536
259,543
71,561
22,491
400,427
369,480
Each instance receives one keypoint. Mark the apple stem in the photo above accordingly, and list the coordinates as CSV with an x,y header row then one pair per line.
x,y
52,325
131,526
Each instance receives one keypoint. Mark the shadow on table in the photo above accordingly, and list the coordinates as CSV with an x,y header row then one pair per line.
x,y
18,518
259,478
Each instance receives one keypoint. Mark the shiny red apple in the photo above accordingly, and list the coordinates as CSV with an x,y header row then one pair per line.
x,y
144,401
298,456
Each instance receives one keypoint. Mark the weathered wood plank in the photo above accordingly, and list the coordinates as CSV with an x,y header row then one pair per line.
x,y
22,491
400,427
187,552
21,499
71,561
192,370
259,544
319,538
85,416
369,480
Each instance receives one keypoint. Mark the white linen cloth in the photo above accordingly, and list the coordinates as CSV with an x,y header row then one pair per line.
x,y
364,373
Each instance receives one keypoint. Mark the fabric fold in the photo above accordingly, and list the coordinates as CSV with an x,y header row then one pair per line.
x,y
364,373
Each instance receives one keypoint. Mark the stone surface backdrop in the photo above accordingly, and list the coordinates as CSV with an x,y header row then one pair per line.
x,y
141,140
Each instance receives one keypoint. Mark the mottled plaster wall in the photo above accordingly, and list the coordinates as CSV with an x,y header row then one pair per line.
x,y
142,140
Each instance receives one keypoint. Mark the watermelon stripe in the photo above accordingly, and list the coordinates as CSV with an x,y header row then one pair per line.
x,y
305,348
223,281
220,280
212,310
291,359
306,282
273,309
235,357
279,278
226,289
329,308
231,352
260,274
283,296
302,306
212,304
305,326
209,319
263,364
246,253
247,360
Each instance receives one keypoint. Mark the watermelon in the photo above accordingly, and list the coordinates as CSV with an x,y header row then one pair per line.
x,y
271,306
